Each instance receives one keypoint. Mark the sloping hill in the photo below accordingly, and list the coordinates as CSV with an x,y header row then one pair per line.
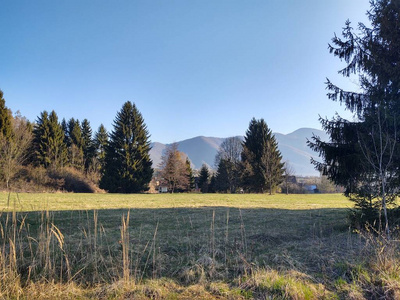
x,y
293,147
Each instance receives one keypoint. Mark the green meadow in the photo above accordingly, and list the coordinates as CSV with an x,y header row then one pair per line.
x,y
181,246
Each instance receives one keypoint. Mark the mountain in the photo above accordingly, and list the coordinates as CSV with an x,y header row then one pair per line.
x,y
293,147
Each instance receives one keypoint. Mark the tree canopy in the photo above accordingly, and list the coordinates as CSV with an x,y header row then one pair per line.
x,y
363,154
128,168
262,167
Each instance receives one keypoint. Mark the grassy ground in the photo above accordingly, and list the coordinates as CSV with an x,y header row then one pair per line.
x,y
70,201
190,246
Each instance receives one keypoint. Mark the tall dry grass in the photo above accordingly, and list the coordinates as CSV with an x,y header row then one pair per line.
x,y
220,253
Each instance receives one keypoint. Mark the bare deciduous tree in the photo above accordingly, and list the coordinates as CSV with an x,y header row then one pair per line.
x,y
173,169
288,173
378,146
13,151
229,157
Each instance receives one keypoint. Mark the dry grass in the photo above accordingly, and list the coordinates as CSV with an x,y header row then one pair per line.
x,y
190,247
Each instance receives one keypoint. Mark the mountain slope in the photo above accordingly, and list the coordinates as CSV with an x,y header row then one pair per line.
x,y
293,147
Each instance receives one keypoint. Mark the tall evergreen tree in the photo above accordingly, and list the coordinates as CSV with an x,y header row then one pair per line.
x,y
5,119
100,145
364,155
204,179
48,141
262,161
127,163
75,144
64,126
88,144
222,178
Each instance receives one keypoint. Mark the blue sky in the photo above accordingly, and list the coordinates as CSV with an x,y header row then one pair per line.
x,y
192,67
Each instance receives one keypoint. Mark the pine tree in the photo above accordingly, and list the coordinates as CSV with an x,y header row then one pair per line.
x,y
261,159
5,119
364,155
87,144
127,163
48,142
100,145
75,144
204,178
64,126
222,177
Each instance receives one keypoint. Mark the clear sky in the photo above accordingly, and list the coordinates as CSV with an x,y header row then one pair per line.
x,y
192,67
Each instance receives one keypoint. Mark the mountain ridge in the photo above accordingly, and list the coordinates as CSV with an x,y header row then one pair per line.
x,y
293,147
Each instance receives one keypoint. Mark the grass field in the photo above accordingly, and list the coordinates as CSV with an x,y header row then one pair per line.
x,y
69,201
181,246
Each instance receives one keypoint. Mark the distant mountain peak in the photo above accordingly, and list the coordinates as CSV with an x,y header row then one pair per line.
x,y
293,146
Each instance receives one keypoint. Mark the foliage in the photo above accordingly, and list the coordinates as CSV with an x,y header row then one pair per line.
x,y
204,178
222,178
174,169
189,171
363,155
5,119
88,144
262,168
50,150
227,161
127,166
75,144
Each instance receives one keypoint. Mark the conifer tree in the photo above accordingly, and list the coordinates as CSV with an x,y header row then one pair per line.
x,y
261,159
204,178
48,141
100,145
127,163
75,144
222,177
5,119
64,126
87,143
364,155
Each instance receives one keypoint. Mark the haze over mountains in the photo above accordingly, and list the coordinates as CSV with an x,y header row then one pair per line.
x,y
293,147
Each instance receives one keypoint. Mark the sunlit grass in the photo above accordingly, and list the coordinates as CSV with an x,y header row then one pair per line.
x,y
69,201
189,246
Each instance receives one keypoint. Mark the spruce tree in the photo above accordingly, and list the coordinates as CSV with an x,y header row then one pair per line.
x,y
128,167
363,154
222,178
100,145
48,141
5,119
88,144
75,144
204,178
261,159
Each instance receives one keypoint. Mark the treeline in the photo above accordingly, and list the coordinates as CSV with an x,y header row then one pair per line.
x,y
50,154
254,165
